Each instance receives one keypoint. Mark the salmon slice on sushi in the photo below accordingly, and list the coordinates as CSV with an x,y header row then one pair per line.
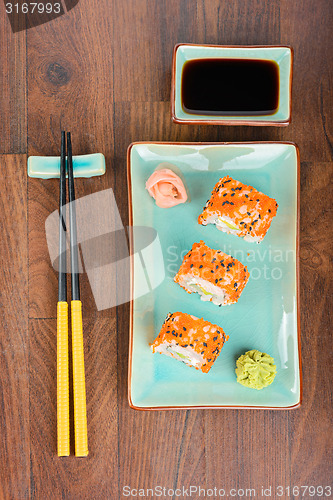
x,y
239,209
215,275
189,339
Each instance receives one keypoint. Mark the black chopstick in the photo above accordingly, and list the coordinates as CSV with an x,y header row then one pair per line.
x,y
79,386
72,222
62,283
62,318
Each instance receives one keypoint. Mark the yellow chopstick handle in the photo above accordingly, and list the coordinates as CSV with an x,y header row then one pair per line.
x,y
79,386
62,380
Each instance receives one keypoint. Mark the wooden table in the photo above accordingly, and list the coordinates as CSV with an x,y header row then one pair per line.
x,y
103,72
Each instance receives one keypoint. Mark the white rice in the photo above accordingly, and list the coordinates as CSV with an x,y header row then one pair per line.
x,y
185,354
225,229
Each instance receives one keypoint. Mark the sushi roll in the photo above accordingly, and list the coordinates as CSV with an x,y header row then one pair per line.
x,y
193,341
216,276
239,209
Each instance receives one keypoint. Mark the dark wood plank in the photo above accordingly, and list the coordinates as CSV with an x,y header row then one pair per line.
x,y
70,87
14,340
243,447
144,39
69,477
70,80
307,27
132,125
221,446
43,280
13,112
247,22
310,438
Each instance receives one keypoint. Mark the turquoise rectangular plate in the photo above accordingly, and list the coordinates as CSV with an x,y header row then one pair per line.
x,y
266,315
283,57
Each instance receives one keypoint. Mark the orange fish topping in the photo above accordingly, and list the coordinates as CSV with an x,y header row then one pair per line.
x,y
186,330
245,207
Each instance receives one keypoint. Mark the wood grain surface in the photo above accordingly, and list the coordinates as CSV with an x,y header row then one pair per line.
x,y
103,71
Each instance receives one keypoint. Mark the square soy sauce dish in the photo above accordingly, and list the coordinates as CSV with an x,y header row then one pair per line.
x,y
231,85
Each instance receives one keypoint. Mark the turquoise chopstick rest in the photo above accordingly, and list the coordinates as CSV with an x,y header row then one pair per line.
x,y
48,167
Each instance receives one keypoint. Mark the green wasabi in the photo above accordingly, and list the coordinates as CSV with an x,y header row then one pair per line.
x,y
255,369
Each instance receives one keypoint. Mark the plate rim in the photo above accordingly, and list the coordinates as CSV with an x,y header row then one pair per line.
x,y
130,226
255,123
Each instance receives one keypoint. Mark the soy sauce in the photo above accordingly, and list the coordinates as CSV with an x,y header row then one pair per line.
x,y
248,87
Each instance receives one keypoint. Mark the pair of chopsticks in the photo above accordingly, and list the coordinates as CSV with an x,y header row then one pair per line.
x,y
79,389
